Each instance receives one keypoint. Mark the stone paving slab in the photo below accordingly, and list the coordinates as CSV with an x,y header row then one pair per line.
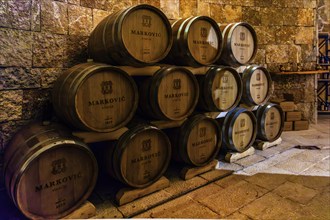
x,y
231,180
294,166
267,180
295,192
183,207
250,160
313,182
313,156
229,200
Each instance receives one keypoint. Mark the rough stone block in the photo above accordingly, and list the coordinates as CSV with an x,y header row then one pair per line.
x,y
36,105
54,17
203,8
11,105
308,54
98,16
305,35
285,35
260,59
265,34
251,15
48,76
172,11
16,48
305,17
290,16
188,8
36,15
16,78
277,54
48,50
15,14
226,13
271,16
8,129
74,2
76,50
80,20
294,54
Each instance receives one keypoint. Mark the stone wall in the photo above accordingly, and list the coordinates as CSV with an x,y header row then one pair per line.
x,y
41,38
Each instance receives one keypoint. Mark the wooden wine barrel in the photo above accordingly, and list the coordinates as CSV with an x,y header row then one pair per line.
x,y
95,97
139,35
239,129
257,85
139,157
220,89
197,142
48,173
171,93
196,41
240,44
270,121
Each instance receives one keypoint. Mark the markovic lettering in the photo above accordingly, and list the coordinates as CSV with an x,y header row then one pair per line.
x,y
242,131
176,95
146,33
57,182
258,84
106,101
146,157
202,142
241,45
203,42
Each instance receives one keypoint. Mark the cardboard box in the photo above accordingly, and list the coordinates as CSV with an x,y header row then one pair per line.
x,y
300,125
293,116
288,126
288,106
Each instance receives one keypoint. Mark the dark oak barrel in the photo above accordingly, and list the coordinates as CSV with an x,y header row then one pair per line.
x,y
139,35
95,97
239,129
196,41
166,93
138,158
257,85
48,173
270,121
240,44
220,89
197,141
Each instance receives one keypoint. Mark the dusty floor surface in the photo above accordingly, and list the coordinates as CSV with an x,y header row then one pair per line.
x,y
281,182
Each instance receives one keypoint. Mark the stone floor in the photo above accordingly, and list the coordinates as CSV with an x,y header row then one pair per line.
x,y
288,181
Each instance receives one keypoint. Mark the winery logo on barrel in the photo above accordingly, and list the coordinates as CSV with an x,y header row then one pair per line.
x,y
202,132
177,84
242,122
242,36
146,20
258,77
146,145
106,87
203,32
225,79
272,116
59,166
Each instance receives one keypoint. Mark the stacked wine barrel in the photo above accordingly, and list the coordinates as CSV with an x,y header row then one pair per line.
x,y
148,68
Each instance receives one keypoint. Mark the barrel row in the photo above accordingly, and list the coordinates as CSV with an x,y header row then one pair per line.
x,y
102,98
142,35
46,163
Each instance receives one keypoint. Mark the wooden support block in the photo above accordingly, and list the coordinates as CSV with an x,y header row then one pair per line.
x,y
126,195
86,210
263,145
190,172
91,137
235,156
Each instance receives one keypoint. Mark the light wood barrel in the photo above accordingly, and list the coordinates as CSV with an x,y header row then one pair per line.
x,y
240,44
138,35
220,89
257,85
196,41
197,142
270,122
171,93
139,157
95,97
48,173
239,129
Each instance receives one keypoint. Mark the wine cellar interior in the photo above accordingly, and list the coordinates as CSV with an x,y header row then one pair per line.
x,y
194,109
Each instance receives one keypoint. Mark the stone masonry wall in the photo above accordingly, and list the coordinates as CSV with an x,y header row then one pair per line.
x,y
41,38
